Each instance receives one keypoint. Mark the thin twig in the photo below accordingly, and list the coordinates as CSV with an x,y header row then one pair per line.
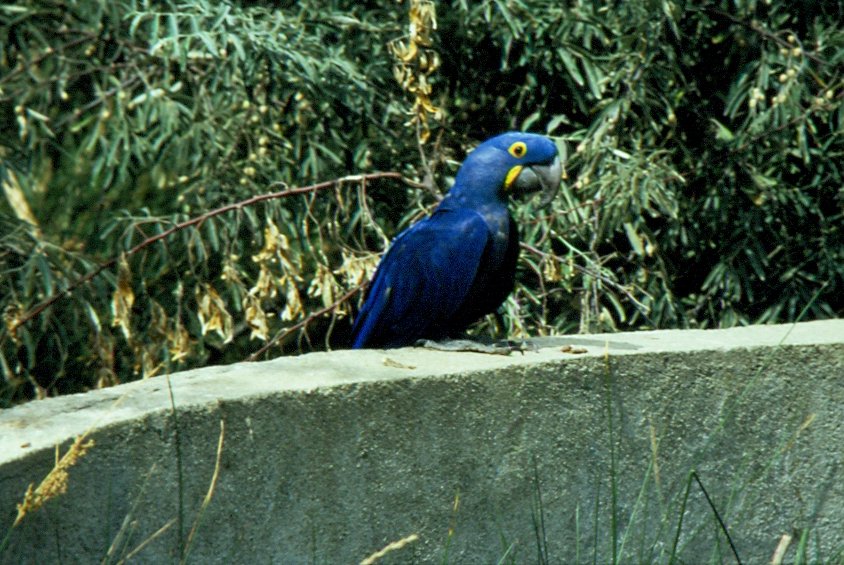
x,y
46,303
428,178
557,213
586,271
310,318
756,26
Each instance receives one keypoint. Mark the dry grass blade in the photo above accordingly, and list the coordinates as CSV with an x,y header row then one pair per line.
x,y
782,547
208,495
147,541
394,546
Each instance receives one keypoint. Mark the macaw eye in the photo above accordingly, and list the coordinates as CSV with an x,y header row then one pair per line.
x,y
518,149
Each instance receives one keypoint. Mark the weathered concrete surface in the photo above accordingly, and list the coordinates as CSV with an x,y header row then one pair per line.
x,y
328,457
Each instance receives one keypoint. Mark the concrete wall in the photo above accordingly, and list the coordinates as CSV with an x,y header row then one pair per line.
x,y
330,456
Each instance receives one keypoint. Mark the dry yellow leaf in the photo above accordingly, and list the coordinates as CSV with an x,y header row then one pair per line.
x,y
256,318
266,286
293,307
212,313
123,298
323,285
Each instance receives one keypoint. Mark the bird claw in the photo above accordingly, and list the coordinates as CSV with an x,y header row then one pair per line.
x,y
505,347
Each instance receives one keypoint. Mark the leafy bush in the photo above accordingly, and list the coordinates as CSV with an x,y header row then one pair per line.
x,y
704,177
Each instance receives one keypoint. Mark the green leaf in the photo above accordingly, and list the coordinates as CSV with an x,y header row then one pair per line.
x,y
571,66
594,78
722,132
634,239
556,121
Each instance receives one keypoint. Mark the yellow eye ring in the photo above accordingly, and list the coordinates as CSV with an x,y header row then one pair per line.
x,y
518,149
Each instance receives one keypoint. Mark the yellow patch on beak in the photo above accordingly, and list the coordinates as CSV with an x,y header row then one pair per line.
x,y
511,177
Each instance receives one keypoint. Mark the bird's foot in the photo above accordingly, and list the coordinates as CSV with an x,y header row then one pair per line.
x,y
504,347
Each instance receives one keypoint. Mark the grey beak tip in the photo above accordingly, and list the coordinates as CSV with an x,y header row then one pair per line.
x,y
550,178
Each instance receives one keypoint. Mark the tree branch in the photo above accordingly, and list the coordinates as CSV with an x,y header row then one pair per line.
x,y
55,297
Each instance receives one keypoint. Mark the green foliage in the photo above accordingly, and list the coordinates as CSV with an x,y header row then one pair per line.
x,y
704,180
710,209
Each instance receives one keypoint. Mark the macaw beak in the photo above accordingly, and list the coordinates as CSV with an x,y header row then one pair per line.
x,y
540,178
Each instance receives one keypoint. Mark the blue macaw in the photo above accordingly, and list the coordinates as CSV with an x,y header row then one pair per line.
x,y
459,264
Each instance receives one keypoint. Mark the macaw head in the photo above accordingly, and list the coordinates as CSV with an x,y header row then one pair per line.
x,y
512,163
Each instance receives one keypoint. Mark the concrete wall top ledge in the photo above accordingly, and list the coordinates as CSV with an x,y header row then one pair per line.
x,y
42,424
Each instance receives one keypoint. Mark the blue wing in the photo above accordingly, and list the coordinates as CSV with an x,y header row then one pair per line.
x,y
423,280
